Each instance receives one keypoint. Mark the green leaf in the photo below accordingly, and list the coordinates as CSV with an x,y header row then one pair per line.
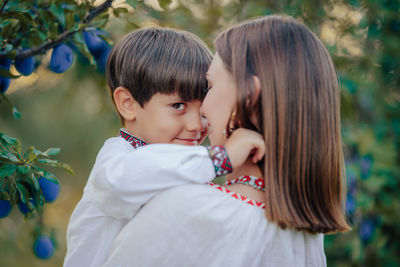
x,y
164,4
49,162
47,18
56,163
37,152
35,183
7,170
4,23
133,3
100,21
52,151
70,20
58,12
5,73
23,192
10,142
67,168
81,11
5,155
81,45
20,16
119,10
15,112
36,37
29,154
8,48
53,31
46,174
4,195
23,169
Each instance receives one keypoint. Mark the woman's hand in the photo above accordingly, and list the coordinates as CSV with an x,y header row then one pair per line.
x,y
244,143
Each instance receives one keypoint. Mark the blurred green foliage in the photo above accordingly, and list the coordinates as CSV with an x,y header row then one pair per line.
x,y
73,111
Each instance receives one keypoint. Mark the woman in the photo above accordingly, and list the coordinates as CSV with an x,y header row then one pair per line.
x,y
271,75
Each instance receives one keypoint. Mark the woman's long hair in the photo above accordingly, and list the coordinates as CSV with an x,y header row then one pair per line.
x,y
298,115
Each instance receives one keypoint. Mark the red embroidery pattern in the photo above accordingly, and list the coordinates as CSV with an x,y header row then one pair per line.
x,y
256,182
220,160
133,140
238,196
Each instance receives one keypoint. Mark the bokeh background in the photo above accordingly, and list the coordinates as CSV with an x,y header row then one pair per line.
x,y
73,111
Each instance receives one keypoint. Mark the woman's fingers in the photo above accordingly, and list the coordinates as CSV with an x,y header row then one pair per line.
x,y
259,150
244,143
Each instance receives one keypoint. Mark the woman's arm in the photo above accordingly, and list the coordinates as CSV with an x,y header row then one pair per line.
x,y
125,182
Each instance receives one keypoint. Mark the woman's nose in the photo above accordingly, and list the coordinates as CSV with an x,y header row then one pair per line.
x,y
196,123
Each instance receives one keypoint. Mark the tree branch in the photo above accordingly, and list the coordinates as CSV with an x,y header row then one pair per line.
x,y
41,49
3,5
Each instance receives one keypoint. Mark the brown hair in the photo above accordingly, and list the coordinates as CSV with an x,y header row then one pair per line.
x,y
159,60
299,117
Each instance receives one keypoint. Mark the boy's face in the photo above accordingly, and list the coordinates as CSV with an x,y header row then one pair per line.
x,y
168,119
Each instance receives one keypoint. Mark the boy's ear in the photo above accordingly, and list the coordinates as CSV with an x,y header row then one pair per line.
x,y
125,103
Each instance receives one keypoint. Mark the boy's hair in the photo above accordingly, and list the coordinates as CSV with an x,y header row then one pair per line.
x,y
299,117
159,60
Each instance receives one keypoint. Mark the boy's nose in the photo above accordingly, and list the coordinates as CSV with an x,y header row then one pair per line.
x,y
196,123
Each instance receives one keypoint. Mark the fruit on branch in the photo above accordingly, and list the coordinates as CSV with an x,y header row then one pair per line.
x,y
5,208
93,41
5,63
50,189
43,247
366,230
24,208
99,48
25,66
61,58
102,59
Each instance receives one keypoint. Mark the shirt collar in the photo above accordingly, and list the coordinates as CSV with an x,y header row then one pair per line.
x,y
133,140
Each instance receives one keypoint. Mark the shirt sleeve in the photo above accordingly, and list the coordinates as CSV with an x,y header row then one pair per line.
x,y
124,182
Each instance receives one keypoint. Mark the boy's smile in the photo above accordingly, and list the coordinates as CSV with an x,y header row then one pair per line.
x,y
168,119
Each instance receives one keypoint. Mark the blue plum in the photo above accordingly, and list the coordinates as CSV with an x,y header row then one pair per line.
x,y
5,63
350,204
61,58
4,84
93,41
25,66
102,58
99,48
43,247
366,230
5,208
50,189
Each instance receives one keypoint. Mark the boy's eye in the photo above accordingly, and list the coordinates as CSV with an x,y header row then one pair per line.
x,y
178,106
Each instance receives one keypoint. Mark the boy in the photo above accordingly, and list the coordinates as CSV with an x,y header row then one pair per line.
x,y
157,82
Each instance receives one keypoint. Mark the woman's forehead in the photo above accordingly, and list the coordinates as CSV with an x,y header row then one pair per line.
x,y
216,67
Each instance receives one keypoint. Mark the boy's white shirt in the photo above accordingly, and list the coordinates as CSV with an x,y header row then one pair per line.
x,y
121,182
